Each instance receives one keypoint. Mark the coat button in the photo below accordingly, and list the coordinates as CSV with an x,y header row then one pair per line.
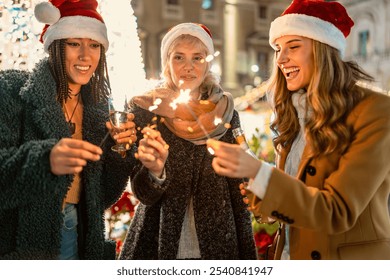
x,y
315,255
311,170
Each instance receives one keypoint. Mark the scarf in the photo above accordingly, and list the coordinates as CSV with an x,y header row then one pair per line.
x,y
195,120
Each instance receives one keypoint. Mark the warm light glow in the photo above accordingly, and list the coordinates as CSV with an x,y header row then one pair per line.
x,y
255,68
19,40
184,97
124,56
155,104
215,68
209,58
211,150
217,121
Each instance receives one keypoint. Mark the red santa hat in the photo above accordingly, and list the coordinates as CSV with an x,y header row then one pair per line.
x,y
71,19
326,22
197,30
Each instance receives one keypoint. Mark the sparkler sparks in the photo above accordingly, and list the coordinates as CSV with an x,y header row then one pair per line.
x,y
155,105
183,98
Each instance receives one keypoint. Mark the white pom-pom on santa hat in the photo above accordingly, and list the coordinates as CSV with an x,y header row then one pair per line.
x,y
46,13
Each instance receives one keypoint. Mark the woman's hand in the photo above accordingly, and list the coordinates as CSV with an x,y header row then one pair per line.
x,y
153,151
232,161
127,132
69,156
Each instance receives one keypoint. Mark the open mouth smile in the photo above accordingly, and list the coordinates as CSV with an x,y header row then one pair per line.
x,y
291,72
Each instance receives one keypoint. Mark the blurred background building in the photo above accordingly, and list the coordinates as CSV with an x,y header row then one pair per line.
x,y
369,41
240,32
239,28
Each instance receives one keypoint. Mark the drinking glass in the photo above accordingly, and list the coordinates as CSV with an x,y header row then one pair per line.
x,y
118,118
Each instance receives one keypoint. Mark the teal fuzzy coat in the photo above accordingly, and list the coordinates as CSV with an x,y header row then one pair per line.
x,y
31,123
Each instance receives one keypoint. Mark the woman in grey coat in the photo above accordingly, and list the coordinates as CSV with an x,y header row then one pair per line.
x,y
187,211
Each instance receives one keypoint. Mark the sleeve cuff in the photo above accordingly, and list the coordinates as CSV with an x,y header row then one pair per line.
x,y
157,180
259,184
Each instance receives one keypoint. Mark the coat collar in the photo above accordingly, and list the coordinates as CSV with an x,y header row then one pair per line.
x,y
42,108
281,159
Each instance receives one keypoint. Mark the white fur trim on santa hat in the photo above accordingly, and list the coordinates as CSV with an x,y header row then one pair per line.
x,y
307,26
76,27
185,28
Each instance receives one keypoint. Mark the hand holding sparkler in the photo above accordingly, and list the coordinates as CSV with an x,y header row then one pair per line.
x,y
153,151
232,161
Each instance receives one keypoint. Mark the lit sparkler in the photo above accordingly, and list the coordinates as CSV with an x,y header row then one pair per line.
x,y
184,98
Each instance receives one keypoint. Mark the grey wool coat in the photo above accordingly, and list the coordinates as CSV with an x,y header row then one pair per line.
x,y
31,197
223,224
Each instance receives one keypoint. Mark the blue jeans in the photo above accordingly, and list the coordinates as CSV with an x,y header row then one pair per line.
x,y
69,247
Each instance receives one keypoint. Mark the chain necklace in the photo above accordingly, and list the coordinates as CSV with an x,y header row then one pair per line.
x,y
72,125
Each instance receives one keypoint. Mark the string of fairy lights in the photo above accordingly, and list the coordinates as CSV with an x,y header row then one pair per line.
x,y
19,36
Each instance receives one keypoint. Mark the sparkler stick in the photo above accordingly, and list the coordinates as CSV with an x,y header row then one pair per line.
x,y
198,121
184,98
104,139
156,102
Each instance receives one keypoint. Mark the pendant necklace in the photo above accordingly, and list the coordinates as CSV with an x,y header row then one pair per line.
x,y
72,125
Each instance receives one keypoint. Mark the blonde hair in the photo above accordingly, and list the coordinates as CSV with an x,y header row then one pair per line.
x,y
331,95
210,79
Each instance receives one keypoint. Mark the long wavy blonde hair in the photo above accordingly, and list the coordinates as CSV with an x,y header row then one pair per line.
x,y
331,95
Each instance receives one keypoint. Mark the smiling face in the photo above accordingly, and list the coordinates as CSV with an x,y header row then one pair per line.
x,y
81,60
187,65
294,56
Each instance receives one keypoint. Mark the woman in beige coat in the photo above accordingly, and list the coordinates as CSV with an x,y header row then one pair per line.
x,y
332,137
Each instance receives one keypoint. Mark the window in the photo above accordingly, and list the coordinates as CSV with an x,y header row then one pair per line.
x,y
363,42
209,13
173,2
173,10
262,62
262,12
208,4
137,6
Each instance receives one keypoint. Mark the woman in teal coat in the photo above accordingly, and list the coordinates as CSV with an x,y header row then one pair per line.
x,y
55,180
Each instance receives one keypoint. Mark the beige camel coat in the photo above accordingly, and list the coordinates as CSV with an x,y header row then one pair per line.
x,y
338,207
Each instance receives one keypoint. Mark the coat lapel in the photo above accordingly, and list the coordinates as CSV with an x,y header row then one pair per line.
x,y
42,108
304,161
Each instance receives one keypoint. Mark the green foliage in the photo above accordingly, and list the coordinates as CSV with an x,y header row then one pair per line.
x,y
261,144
